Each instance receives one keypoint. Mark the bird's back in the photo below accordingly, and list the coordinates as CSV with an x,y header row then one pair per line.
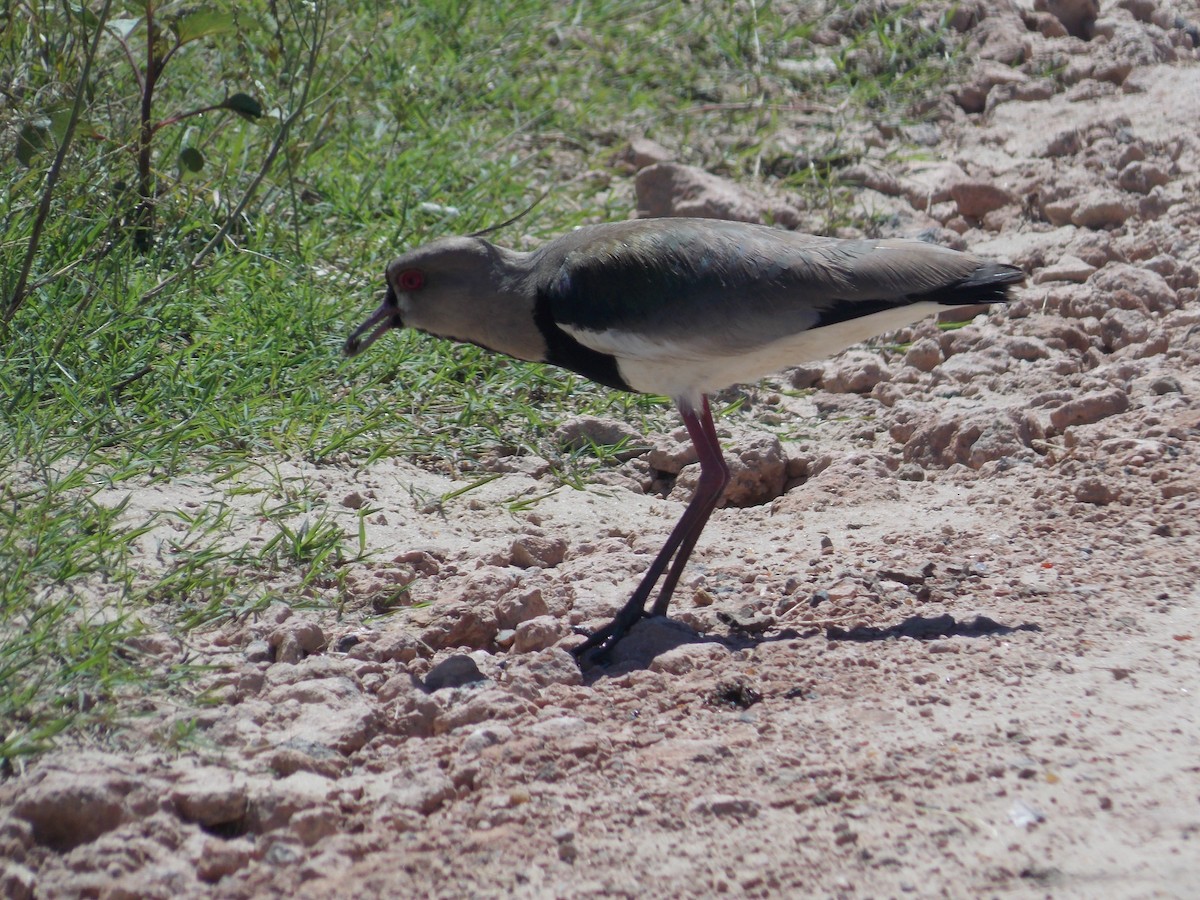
x,y
697,289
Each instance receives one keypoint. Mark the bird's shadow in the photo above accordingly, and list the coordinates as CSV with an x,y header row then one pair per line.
x,y
928,628
653,637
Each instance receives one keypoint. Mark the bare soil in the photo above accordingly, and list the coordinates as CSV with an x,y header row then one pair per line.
x,y
951,649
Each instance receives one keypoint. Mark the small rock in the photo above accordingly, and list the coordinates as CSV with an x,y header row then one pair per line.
x,y
1122,327
327,710
725,805
456,623
411,711
582,432
295,639
855,372
1142,10
906,576
972,438
1094,490
539,633
422,788
1142,177
505,638
747,620
1062,143
738,693
805,376
924,355
871,177
1058,211
673,189
400,646
558,727
757,471
353,500
1163,265
1046,25
643,152
218,857
1089,408
673,457
530,550
1067,268
991,73
977,198
1103,209
1023,815
1026,348
210,796
515,608
1166,384
453,672
314,824
927,182
257,652
16,882
553,665
486,736
1133,287
67,809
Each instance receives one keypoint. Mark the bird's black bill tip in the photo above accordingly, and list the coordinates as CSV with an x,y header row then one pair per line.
x,y
383,319
364,336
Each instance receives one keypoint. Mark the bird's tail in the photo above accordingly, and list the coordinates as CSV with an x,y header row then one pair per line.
x,y
989,283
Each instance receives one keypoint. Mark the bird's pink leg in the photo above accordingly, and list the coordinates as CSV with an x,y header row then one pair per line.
x,y
714,475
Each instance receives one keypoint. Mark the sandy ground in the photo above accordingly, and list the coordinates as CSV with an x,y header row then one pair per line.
x,y
948,645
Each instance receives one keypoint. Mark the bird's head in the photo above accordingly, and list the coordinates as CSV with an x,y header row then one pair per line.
x,y
437,288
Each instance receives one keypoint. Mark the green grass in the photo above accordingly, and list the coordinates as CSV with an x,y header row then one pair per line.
x,y
216,351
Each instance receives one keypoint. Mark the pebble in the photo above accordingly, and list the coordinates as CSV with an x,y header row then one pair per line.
x,y
1066,268
539,633
583,432
454,671
535,550
1023,815
976,198
1089,408
257,651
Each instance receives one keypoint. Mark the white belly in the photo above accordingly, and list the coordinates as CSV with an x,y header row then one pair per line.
x,y
678,370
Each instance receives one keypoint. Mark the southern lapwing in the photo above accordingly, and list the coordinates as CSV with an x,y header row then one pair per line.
x,y
679,307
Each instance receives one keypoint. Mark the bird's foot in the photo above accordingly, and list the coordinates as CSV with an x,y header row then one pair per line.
x,y
599,645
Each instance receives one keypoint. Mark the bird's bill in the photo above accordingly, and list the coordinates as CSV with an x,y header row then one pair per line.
x,y
379,322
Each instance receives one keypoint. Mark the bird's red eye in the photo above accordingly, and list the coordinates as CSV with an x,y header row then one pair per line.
x,y
411,280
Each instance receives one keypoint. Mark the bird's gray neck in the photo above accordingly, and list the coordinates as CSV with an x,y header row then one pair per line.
x,y
505,322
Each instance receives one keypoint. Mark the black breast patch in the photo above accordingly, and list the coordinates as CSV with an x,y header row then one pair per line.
x,y
564,351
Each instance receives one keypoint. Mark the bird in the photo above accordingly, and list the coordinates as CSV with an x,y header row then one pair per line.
x,y
676,307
